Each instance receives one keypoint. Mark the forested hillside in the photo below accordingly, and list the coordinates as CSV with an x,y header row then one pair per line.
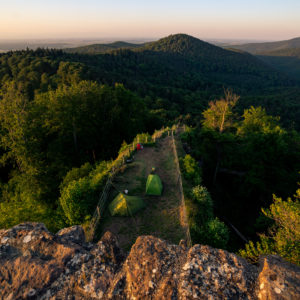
x,y
286,60
176,75
259,48
64,116
245,160
288,52
102,48
284,56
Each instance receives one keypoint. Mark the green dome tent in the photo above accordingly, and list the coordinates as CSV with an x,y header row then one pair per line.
x,y
154,185
124,205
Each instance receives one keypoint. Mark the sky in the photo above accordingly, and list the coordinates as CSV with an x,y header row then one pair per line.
x,y
129,19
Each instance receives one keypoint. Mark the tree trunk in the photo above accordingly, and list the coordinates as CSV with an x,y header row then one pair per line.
x,y
223,117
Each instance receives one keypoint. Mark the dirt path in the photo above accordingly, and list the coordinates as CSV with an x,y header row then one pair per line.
x,y
161,217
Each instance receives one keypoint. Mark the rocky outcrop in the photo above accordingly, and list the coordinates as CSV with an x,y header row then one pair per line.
x,y
278,279
74,234
35,264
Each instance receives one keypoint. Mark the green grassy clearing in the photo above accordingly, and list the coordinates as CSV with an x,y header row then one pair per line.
x,y
161,217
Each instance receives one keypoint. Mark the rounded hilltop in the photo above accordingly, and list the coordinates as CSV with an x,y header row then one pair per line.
x,y
185,44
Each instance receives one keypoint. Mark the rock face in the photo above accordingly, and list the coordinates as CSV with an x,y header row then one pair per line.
x,y
35,264
74,234
278,279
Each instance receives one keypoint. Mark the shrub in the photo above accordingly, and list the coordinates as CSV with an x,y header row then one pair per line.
x,y
143,138
99,175
78,200
75,174
20,203
204,202
204,228
22,207
123,147
191,170
216,233
284,236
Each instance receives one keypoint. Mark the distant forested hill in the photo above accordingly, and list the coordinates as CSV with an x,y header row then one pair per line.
x,y
283,55
288,52
284,60
179,74
176,75
102,48
260,48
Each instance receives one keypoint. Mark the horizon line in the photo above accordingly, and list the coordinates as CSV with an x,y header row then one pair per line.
x,y
137,38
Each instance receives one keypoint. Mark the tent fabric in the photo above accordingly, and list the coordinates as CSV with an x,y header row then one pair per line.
x,y
124,205
154,185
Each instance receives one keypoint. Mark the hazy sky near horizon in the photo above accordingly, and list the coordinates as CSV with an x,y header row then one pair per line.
x,y
240,19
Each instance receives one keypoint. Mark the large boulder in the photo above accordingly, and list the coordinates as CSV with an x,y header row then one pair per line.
x,y
210,273
35,264
31,258
278,279
73,234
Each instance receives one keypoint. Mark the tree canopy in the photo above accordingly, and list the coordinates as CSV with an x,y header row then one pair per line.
x,y
283,237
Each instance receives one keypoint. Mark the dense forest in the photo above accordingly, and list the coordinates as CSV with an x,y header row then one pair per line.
x,y
102,48
283,55
64,116
287,61
245,160
259,48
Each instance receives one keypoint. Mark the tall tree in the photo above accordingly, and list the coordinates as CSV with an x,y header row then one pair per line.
x,y
219,115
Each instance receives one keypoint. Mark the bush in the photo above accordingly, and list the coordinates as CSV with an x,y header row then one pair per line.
x,y
21,207
216,233
213,233
191,170
284,236
99,175
204,202
20,202
76,174
78,200
143,138
192,211
123,147
19,211
204,228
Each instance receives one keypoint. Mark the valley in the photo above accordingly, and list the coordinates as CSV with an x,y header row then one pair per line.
x,y
66,115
